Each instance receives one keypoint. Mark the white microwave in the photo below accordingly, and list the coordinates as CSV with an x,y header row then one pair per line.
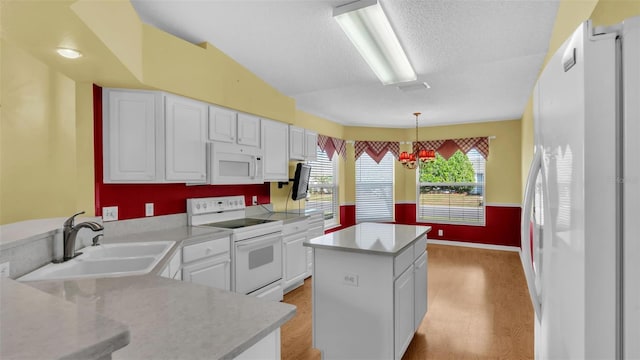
x,y
231,164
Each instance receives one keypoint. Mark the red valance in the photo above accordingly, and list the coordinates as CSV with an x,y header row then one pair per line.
x,y
446,148
377,149
332,145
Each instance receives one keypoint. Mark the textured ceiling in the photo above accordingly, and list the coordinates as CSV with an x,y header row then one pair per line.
x,y
481,58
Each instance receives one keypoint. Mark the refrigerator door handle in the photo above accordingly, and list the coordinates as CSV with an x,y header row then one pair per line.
x,y
525,239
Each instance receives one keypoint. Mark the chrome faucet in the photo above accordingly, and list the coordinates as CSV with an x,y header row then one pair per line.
x,y
70,232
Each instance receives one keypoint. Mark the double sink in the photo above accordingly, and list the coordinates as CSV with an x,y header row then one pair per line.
x,y
108,260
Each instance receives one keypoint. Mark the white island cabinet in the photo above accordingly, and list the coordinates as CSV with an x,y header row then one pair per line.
x,y
369,290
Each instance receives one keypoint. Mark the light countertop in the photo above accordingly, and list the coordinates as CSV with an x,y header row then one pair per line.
x,y
36,325
174,319
285,217
378,238
164,318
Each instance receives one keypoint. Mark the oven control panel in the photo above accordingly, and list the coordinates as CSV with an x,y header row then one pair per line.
x,y
215,204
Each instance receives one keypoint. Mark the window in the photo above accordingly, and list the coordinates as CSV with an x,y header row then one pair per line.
x,y
323,187
452,191
374,188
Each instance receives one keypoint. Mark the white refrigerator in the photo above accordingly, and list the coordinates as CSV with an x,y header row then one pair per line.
x,y
581,211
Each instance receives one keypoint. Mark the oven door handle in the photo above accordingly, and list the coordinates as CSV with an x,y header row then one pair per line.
x,y
254,244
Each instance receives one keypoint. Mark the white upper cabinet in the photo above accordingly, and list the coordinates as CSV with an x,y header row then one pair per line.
x,y
248,130
233,127
185,145
150,137
275,145
302,144
296,143
130,132
310,145
222,124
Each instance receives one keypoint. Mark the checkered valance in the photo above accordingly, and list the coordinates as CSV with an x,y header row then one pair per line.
x,y
377,149
332,145
446,148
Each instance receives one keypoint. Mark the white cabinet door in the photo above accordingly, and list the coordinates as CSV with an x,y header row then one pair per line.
x,y
295,259
310,145
420,288
248,130
296,143
275,144
185,145
222,124
309,262
130,133
403,311
215,273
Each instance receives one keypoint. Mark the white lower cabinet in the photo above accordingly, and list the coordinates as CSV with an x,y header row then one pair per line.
x,y
316,228
375,301
215,272
403,311
294,254
420,289
208,263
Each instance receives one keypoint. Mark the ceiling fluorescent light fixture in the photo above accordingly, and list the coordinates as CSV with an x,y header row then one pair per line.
x,y
369,30
69,53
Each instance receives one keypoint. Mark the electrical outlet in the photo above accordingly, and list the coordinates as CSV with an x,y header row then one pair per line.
x,y
110,213
350,279
5,269
148,209
254,200
440,232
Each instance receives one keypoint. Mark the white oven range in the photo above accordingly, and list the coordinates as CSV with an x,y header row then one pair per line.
x,y
256,244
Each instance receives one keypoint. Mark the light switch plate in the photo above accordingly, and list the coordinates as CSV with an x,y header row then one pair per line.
x,y
254,200
440,232
148,209
110,213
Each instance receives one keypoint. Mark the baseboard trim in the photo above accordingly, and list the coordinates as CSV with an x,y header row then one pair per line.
x,y
474,245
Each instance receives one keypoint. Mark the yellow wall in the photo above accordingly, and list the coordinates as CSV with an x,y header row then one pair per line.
x,y
503,164
47,101
38,164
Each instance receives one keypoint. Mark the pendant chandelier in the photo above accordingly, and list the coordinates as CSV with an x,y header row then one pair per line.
x,y
417,156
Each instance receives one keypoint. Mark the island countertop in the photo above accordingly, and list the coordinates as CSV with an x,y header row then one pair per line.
x,y
383,239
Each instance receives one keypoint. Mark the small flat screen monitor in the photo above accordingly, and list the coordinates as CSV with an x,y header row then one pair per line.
x,y
301,181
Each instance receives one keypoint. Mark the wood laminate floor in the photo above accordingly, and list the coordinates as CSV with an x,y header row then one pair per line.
x,y
479,308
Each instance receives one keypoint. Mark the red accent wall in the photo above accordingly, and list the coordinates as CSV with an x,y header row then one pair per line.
x,y
167,198
502,226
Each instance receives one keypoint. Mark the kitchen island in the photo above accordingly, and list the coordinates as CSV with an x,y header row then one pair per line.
x,y
369,290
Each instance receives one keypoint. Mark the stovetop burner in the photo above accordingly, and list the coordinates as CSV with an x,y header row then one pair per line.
x,y
238,223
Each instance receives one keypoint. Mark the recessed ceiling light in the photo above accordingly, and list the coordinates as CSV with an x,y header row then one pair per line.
x,y
69,53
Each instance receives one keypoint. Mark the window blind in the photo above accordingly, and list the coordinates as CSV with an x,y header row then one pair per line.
x,y
374,188
451,200
323,186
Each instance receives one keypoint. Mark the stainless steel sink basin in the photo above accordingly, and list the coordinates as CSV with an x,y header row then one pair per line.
x,y
107,260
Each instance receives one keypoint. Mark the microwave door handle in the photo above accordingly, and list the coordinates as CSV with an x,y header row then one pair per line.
x,y
255,167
